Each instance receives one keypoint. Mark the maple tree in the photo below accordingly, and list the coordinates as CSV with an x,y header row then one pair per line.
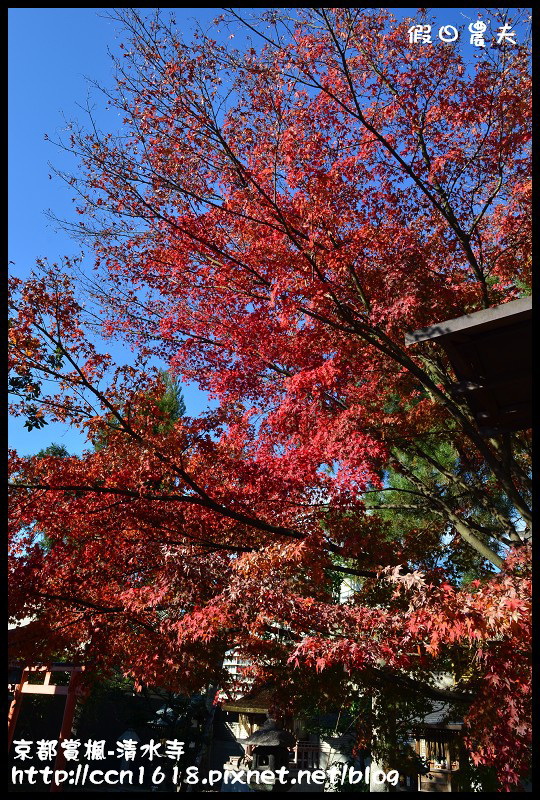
x,y
269,224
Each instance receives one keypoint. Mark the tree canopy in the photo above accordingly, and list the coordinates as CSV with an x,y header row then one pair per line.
x,y
269,224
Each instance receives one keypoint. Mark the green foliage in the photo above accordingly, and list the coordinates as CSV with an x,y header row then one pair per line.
x,y
28,388
172,401
524,289
335,723
170,405
430,473
477,779
54,450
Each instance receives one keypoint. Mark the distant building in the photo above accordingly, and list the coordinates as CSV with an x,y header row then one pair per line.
x,y
236,665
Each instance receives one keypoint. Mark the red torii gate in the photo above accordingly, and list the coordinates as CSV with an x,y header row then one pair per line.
x,y
73,691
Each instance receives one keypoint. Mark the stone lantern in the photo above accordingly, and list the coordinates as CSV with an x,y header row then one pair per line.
x,y
270,751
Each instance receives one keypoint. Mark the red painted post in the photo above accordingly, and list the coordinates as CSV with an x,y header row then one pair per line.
x,y
46,688
67,724
15,707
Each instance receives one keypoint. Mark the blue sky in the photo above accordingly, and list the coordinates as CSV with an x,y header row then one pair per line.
x,y
52,53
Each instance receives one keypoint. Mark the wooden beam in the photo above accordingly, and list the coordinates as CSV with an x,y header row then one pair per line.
x,y
472,323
